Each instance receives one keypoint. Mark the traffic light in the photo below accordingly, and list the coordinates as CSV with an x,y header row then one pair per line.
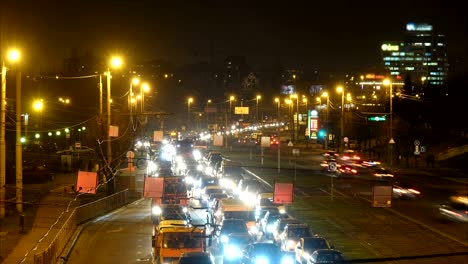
x,y
377,118
322,133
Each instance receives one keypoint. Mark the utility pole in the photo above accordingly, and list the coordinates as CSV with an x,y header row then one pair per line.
x,y
19,147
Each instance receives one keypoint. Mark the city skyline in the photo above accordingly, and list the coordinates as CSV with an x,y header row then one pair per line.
x,y
294,36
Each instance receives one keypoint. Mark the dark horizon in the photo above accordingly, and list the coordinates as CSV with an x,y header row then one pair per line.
x,y
323,38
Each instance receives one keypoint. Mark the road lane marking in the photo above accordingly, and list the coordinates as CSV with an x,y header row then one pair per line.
x,y
419,223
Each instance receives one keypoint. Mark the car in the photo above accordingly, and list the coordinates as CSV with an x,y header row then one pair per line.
x,y
264,252
266,199
216,196
405,191
291,234
170,212
232,250
382,174
260,212
267,222
329,256
307,245
278,227
331,154
456,209
33,172
229,226
209,190
196,258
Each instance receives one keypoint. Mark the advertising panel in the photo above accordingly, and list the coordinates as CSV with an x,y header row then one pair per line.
x,y
86,182
283,193
153,187
241,110
288,89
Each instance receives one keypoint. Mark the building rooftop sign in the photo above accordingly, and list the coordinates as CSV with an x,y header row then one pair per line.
x,y
418,27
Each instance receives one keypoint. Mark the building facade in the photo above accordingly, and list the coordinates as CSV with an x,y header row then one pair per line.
x,y
421,57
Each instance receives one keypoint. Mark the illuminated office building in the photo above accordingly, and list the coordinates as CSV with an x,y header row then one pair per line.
x,y
421,56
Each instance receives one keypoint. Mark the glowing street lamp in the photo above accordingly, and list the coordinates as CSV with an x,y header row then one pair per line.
x,y
388,82
325,94
189,101
12,56
340,89
256,114
115,62
231,99
277,101
143,89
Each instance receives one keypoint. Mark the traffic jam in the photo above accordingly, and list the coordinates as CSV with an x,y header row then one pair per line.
x,y
206,209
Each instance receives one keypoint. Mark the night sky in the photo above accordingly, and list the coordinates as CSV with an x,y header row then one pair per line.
x,y
307,35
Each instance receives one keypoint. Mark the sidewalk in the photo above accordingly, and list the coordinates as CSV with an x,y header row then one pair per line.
x,y
45,204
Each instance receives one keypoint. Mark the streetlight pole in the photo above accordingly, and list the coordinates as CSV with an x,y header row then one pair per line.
x,y
328,110
13,56
116,62
19,147
256,114
391,141
277,100
189,101
340,89
231,98
2,144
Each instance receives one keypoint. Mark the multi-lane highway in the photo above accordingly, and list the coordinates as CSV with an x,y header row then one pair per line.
x,y
408,232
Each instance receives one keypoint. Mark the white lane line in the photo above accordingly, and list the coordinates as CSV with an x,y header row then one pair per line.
x,y
420,223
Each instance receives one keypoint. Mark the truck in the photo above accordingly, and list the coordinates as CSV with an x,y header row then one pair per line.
x,y
171,240
231,208
174,192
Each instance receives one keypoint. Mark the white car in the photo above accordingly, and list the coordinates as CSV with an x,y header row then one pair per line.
x,y
456,210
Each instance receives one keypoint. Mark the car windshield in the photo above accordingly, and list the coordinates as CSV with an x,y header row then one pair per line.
x,y
315,244
195,260
182,240
244,215
298,232
238,227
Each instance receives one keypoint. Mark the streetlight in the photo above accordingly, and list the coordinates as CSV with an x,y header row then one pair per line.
x,y
296,134
340,89
391,142
231,98
256,115
325,94
143,89
290,103
12,56
189,101
277,101
116,62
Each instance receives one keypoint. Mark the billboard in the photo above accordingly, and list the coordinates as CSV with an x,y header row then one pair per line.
x,y
153,187
283,193
241,110
288,89
86,182
312,124
316,89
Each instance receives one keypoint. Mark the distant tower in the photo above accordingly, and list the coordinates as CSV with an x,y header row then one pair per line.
x,y
421,57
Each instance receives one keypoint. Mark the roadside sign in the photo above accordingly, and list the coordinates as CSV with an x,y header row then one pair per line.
x,y
283,193
382,196
218,140
158,136
416,150
86,182
391,141
332,166
77,144
290,144
345,139
423,149
265,142
295,152
417,143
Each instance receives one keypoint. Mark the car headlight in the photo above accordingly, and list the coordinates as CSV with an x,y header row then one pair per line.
x,y
291,243
208,170
156,210
224,239
282,211
231,251
253,229
270,228
200,167
287,260
185,210
261,260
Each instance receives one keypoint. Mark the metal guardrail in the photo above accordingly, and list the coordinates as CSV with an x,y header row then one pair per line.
x,y
78,216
